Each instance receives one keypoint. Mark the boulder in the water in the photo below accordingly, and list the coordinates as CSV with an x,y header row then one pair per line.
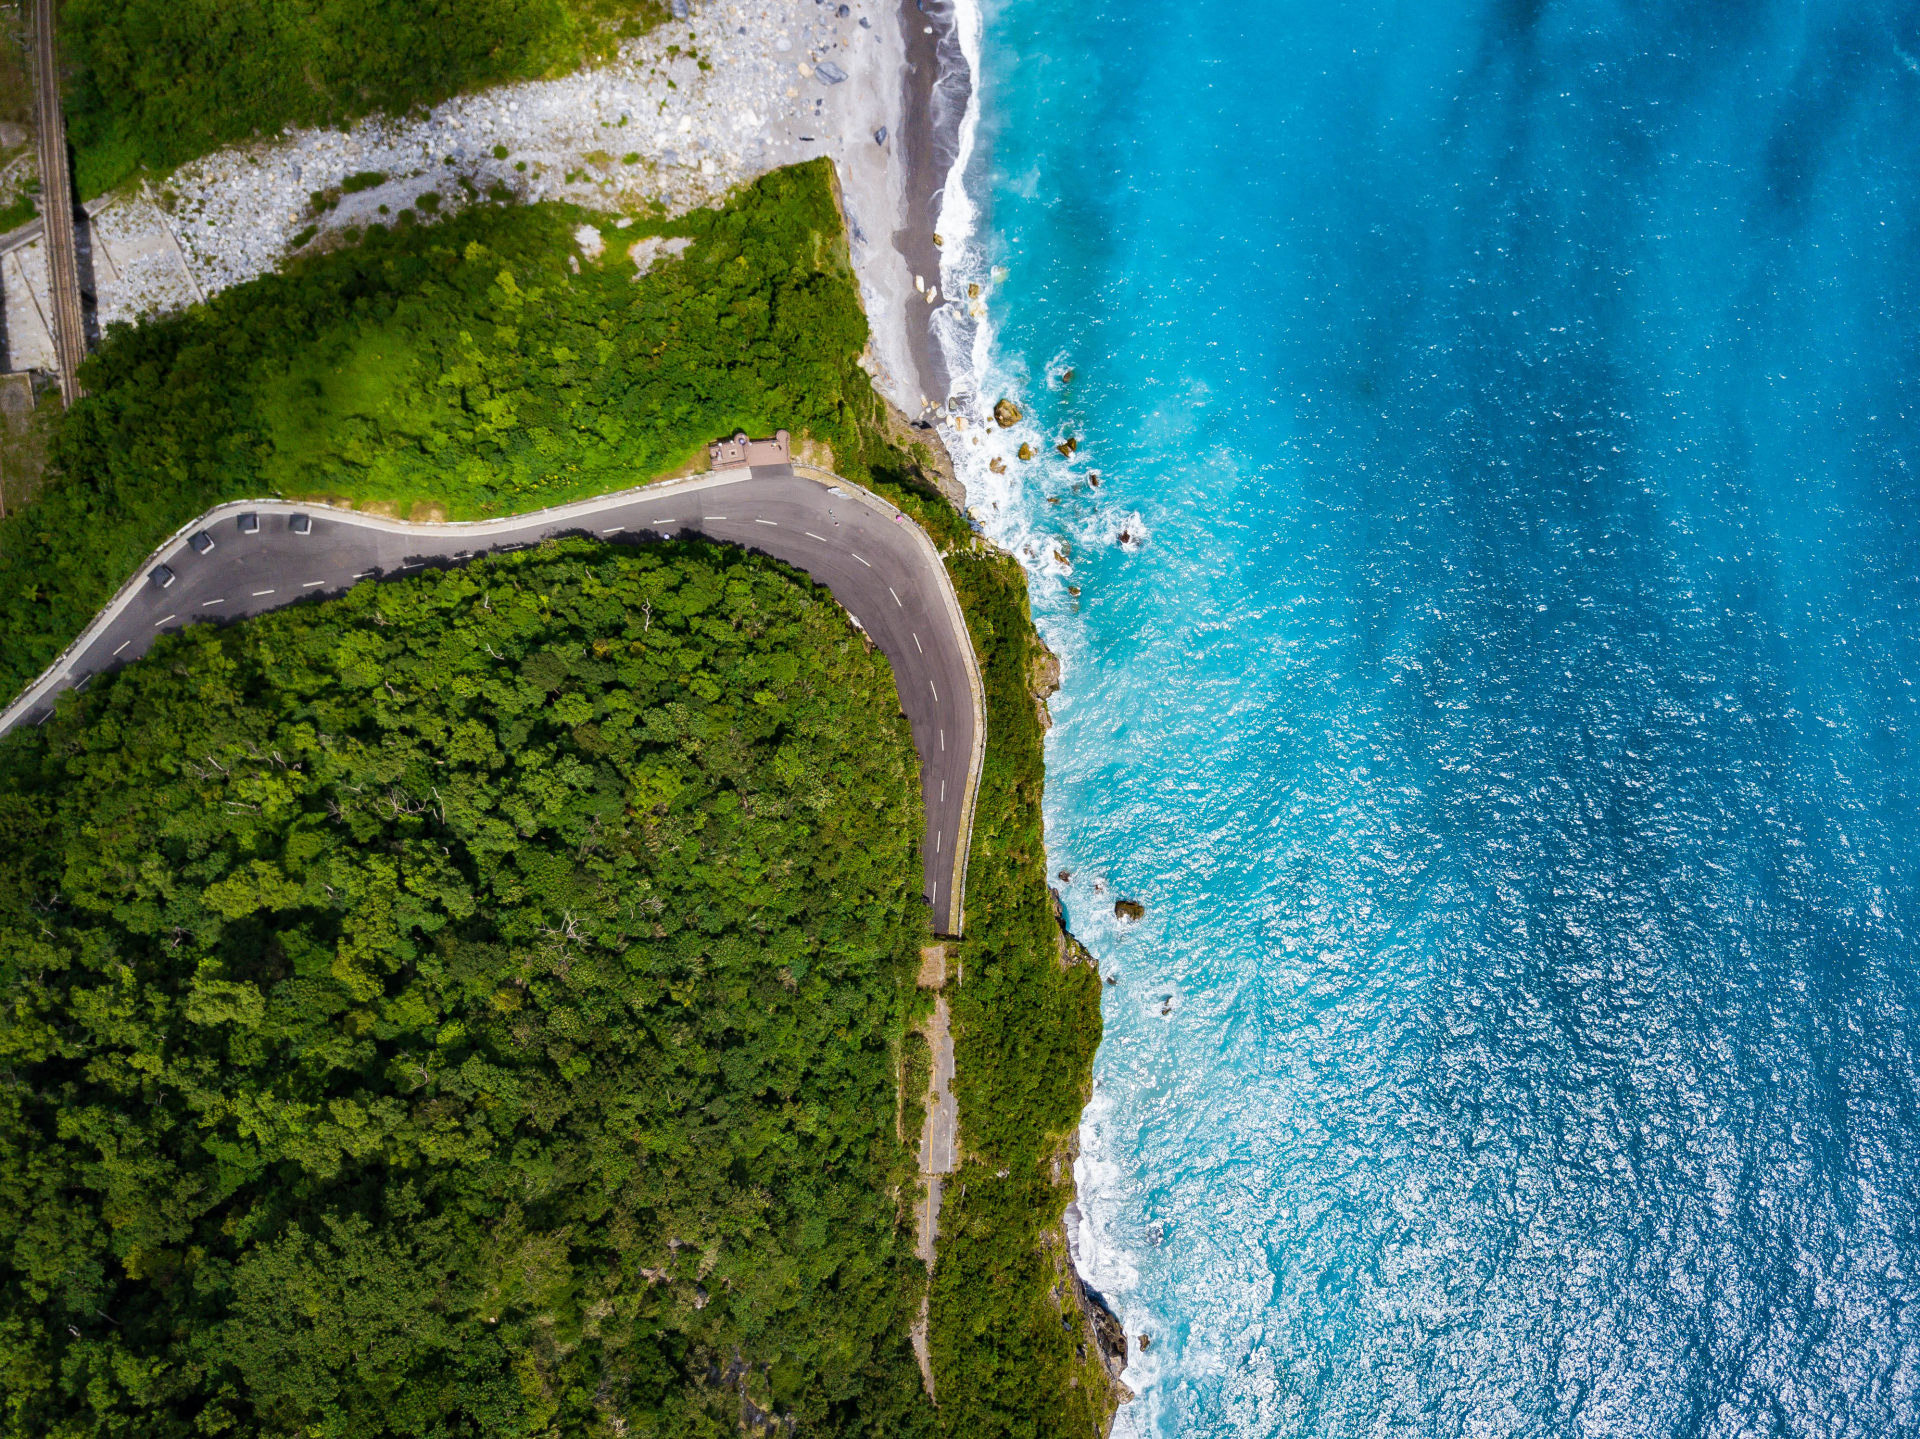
x,y
1129,909
997,465
1006,414
1026,452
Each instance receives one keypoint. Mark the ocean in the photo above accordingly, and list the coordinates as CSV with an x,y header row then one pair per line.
x,y
1490,657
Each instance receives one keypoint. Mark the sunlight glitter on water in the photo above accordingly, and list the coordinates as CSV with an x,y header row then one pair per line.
x,y
1504,704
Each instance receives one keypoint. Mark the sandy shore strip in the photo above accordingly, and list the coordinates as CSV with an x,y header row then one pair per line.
x,y
681,117
938,89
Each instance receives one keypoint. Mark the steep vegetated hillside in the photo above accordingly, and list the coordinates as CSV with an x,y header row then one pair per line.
x,y
464,365
155,83
468,1007
366,1092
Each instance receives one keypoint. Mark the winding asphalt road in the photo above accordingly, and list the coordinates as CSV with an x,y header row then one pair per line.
x,y
880,566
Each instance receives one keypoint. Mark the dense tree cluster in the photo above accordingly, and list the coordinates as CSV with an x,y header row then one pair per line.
x,y
464,364
468,1007
157,82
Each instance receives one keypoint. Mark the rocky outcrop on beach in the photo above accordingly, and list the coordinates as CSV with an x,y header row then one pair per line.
x,y
1072,951
1043,682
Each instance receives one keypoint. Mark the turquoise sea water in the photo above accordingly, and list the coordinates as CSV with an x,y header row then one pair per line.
x,y
1504,700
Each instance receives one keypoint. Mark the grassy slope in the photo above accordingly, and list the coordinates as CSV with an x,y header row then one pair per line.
x,y
154,83
464,365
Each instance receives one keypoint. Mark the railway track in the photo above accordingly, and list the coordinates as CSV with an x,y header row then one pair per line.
x,y
56,206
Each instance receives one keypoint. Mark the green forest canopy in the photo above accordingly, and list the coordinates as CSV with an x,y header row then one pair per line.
x,y
469,1007
463,364
157,82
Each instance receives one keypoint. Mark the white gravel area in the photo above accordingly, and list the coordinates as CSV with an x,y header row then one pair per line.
x,y
678,119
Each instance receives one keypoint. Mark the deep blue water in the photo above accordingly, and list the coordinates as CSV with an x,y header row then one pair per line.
x,y
1505,705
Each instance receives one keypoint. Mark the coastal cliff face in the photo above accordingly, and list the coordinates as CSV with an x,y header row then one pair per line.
x,y
1027,1022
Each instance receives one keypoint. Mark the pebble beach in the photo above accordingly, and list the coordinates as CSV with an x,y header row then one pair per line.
x,y
679,118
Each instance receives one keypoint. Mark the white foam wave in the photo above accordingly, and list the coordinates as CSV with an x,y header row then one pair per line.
x,y
1009,505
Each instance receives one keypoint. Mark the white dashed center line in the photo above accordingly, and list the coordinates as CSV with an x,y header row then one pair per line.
x,y
943,741
936,841
221,601
713,517
158,623
311,583
258,593
613,529
812,536
917,645
936,693
864,562
774,523
943,791
123,645
667,520
896,595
